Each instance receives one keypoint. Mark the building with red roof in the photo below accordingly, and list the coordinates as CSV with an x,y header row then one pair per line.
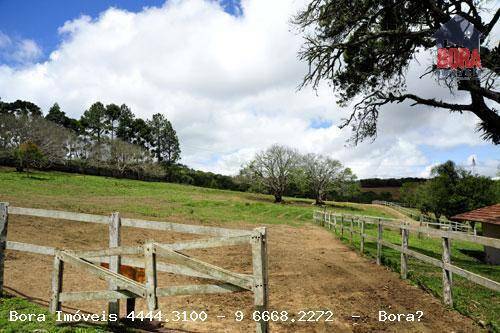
x,y
489,217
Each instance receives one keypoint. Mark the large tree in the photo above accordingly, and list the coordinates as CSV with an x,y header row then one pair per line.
x,y
453,190
20,108
113,113
363,49
125,129
164,141
56,115
274,168
324,174
94,121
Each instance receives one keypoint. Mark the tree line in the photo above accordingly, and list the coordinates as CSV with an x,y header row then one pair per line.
x,y
451,190
104,137
281,170
109,140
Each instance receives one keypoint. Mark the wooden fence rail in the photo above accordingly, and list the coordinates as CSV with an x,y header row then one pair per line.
x,y
121,287
427,221
324,218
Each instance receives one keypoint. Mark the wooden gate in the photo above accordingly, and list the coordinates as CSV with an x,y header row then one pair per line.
x,y
122,287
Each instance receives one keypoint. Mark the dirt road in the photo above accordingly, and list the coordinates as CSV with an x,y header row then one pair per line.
x,y
309,270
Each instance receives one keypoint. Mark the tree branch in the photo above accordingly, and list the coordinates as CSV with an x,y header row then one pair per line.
x,y
492,23
430,102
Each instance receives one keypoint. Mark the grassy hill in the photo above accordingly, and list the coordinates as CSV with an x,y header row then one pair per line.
x,y
101,195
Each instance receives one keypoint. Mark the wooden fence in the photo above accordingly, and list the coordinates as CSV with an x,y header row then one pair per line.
x,y
427,221
121,287
355,224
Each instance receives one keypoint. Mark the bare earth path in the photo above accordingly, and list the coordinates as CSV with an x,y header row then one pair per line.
x,y
309,270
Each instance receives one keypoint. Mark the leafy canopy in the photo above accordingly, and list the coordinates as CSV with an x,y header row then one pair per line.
x,y
363,48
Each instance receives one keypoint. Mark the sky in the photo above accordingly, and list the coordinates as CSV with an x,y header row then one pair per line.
x,y
226,74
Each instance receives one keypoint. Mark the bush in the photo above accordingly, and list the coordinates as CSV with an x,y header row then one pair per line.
x,y
30,156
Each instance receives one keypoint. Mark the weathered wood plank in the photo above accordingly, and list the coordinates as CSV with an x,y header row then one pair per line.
x,y
481,280
424,258
107,295
186,228
351,229
215,272
57,284
260,276
341,226
379,243
197,289
390,245
120,280
30,248
128,222
404,257
151,276
114,251
160,292
208,243
57,214
4,222
447,292
114,261
362,235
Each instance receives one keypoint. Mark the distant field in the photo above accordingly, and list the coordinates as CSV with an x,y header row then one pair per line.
x,y
101,195
394,191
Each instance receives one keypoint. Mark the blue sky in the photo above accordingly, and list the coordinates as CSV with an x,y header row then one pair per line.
x,y
227,82
39,19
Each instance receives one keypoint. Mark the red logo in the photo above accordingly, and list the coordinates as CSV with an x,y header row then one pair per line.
x,y
458,58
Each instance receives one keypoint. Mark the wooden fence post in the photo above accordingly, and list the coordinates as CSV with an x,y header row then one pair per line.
x,y
447,279
351,230
114,261
151,275
404,256
57,283
342,226
421,224
335,224
379,243
362,242
259,261
4,221
330,221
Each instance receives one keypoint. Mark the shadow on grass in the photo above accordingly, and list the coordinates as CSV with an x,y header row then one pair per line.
x,y
34,176
477,254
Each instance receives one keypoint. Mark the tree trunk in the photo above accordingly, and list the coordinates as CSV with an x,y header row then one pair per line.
x,y
490,120
319,196
278,198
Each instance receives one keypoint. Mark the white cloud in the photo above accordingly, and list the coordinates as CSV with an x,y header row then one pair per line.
x,y
227,83
4,40
19,51
27,51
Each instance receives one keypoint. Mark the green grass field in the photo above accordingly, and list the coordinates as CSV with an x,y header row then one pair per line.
x,y
470,299
101,195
